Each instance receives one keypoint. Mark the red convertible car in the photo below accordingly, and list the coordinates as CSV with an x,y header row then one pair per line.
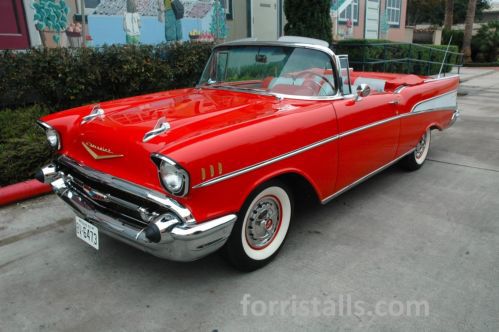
x,y
183,173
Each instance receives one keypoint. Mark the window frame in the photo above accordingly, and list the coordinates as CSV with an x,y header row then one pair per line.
x,y
355,4
391,9
227,6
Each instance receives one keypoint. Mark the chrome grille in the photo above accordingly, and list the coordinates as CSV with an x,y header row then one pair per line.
x,y
124,206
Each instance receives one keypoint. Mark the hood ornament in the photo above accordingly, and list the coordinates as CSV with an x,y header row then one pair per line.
x,y
97,112
161,126
92,148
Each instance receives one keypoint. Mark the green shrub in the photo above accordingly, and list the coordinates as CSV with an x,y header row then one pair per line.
x,y
457,37
308,19
23,146
64,77
485,43
368,55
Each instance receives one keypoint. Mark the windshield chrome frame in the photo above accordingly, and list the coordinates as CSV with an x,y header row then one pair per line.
x,y
334,61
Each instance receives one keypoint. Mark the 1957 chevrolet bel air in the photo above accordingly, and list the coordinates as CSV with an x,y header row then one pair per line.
x,y
183,173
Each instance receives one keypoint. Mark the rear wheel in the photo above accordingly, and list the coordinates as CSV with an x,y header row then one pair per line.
x,y
261,229
415,160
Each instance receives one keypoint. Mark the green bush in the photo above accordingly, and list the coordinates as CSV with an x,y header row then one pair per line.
x,y
62,77
308,19
368,55
23,146
486,43
457,37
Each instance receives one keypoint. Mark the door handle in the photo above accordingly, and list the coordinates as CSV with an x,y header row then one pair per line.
x,y
393,102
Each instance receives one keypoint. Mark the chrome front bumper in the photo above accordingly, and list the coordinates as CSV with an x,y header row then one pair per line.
x,y
181,238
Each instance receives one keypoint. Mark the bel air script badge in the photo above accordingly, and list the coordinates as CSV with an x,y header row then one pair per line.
x,y
92,150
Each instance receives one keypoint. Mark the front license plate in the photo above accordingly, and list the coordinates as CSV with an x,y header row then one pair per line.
x,y
87,232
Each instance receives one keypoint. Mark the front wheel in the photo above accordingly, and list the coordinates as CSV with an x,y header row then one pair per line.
x,y
261,229
415,160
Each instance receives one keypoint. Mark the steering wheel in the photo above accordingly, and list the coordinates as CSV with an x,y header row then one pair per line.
x,y
312,73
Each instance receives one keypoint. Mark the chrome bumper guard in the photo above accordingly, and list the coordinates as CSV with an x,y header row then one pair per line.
x,y
175,233
456,115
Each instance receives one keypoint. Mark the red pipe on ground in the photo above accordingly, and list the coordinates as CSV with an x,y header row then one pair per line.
x,y
22,190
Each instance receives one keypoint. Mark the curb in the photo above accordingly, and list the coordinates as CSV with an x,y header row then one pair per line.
x,y
22,190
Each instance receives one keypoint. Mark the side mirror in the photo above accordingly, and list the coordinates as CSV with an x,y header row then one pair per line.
x,y
363,90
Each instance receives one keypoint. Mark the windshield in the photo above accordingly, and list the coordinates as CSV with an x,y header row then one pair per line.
x,y
271,69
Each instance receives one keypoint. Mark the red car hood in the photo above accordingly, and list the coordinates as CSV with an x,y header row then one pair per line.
x,y
114,143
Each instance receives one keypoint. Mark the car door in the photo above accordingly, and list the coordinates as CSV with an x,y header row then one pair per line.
x,y
368,135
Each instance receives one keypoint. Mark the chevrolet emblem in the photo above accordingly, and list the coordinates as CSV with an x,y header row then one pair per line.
x,y
92,148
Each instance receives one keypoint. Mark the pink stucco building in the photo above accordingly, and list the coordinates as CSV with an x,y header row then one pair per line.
x,y
374,19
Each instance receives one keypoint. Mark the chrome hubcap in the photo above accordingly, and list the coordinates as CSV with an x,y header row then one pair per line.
x,y
420,148
263,222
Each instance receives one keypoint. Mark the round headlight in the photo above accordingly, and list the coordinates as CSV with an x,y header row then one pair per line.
x,y
53,138
174,179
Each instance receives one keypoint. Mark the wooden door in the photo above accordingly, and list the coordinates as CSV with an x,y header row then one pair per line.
x,y
13,30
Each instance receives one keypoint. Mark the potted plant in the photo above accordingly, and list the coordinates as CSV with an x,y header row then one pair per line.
x,y
50,20
73,32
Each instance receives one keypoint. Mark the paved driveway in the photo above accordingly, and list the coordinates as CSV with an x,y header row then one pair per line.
x,y
430,237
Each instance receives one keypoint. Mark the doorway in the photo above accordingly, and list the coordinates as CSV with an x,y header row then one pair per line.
x,y
265,18
372,19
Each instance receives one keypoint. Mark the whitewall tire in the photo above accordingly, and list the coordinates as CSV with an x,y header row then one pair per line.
x,y
416,159
261,228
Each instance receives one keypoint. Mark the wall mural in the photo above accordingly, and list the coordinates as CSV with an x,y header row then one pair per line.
x,y
156,21
131,21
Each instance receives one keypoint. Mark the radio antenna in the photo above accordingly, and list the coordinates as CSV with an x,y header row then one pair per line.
x,y
445,56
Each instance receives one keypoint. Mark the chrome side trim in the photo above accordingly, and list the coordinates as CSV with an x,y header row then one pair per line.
x,y
364,178
265,163
440,78
319,143
446,100
373,124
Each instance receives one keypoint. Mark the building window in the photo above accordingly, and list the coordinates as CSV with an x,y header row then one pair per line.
x,y
393,12
227,5
347,13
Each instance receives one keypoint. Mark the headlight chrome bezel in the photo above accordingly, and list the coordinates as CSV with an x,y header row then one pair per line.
x,y
50,130
167,166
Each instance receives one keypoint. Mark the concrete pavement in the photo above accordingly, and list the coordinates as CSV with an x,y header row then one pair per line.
x,y
469,73
430,236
